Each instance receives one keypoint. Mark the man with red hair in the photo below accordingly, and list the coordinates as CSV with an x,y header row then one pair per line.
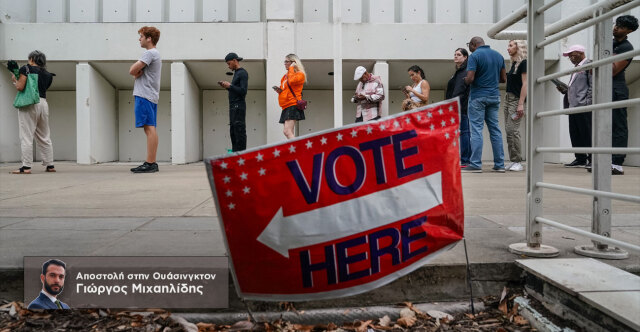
x,y
146,91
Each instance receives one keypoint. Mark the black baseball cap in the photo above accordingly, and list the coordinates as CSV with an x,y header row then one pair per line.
x,y
232,56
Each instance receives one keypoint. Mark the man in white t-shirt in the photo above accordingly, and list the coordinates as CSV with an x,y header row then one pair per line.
x,y
146,91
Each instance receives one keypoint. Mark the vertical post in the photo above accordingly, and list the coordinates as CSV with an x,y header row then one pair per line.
x,y
601,137
381,68
535,134
337,63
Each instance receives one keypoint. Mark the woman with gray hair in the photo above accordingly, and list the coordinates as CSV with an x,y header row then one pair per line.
x,y
515,106
34,119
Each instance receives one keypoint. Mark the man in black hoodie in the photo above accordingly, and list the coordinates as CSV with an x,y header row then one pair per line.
x,y
237,104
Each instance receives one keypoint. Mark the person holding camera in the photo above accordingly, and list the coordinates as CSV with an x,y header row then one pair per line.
x,y
369,95
237,104
34,119
289,92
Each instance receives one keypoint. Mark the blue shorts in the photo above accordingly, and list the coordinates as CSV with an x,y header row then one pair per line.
x,y
146,112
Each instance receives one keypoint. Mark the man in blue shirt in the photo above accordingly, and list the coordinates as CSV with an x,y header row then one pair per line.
x,y
485,70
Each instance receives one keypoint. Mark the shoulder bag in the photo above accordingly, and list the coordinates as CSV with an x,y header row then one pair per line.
x,y
300,103
29,95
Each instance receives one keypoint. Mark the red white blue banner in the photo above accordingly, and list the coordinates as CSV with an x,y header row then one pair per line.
x,y
342,211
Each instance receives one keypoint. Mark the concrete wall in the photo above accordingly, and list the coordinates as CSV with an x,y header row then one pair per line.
x,y
62,122
633,118
186,116
9,141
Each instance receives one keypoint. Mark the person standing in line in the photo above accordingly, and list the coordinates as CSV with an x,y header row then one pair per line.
x,y
369,95
625,25
577,94
515,101
289,92
457,88
485,70
417,94
237,104
33,120
146,92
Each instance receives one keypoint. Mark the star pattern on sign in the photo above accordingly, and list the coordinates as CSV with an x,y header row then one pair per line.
x,y
450,108
383,127
407,120
339,137
354,133
246,190
231,206
229,193
323,140
223,165
244,176
276,153
292,148
429,115
455,143
262,171
226,179
432,127
369,130
396,124
446,135
419,117
259,156
309,144
443,123
440,111
241,161
453,120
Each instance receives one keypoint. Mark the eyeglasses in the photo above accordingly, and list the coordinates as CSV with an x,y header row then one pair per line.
x,y
287,61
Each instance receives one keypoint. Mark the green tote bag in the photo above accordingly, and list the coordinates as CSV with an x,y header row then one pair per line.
x,y
29,95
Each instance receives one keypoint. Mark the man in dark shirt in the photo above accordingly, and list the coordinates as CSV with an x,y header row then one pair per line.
x,y
237,104
625,25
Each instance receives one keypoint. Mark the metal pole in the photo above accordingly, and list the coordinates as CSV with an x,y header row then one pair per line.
x,y
601,137
535,134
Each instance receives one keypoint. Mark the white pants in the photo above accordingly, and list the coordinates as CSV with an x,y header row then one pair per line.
x,y
34,123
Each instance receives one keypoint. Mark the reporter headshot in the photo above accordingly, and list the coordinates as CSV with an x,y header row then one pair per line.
x,y
52,278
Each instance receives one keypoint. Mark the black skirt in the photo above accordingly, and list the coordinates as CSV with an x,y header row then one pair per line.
x,y
291,113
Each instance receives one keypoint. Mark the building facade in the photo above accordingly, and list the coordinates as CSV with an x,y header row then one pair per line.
x,y
90,45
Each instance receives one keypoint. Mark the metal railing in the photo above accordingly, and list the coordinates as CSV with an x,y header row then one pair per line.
x,y
599,15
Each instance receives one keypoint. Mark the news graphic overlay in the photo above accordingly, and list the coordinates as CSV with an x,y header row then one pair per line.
x,y
342,211
129,282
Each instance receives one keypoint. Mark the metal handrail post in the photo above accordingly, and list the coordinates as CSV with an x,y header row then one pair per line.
x,y
535,134
601,137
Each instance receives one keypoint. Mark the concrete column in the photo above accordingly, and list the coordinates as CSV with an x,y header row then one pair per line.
x,y
280,42
186,116
337,63
9,136
381,68
96,117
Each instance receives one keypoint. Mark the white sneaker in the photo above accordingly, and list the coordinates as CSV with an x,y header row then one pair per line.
x,y
516,167
508,166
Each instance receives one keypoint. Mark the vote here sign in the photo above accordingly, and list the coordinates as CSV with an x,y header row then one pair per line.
x,y
341,211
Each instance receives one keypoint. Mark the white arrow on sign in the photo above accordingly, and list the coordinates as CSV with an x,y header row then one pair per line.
x,y
353,216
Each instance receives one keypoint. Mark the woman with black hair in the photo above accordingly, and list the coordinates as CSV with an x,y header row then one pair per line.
x,y
34,119
457,88
418,93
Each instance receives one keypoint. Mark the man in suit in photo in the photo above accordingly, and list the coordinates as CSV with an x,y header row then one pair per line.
x,y
53,273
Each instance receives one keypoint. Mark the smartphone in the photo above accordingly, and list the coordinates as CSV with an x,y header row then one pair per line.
x,y
275,87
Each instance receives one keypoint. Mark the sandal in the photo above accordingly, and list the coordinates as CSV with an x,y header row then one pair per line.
x,y
50,169
22,170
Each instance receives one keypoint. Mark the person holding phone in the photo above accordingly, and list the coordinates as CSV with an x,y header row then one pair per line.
x,y
237,105
289,92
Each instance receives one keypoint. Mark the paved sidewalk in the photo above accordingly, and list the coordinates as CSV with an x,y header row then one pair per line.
x,y
106,210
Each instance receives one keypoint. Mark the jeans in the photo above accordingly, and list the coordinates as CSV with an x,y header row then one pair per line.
x,y
485,109
465,139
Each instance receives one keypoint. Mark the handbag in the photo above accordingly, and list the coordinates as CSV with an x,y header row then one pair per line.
x,y
300,103
29,95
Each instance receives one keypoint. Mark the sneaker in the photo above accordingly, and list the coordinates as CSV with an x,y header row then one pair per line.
x,y
146,168
617,170
516,167
22,170
50,169
588,165
471,169
508,166
576,163
464,165
498,169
